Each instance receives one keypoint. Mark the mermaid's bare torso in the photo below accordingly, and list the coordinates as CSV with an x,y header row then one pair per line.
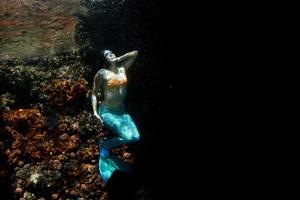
x,y
114,87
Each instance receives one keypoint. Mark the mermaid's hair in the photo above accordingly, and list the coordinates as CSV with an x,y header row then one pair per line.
x,y
103,60
104,51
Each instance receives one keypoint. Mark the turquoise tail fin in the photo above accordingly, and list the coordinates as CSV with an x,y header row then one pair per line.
x,y
109,164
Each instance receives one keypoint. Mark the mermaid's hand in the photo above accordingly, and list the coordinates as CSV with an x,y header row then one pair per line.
x,y
97,116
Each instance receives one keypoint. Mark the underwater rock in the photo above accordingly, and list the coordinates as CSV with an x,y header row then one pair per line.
x,y
31,84
19,190
7,100
64,137
28,196
89,125
50,26
73,193
54,196
20,163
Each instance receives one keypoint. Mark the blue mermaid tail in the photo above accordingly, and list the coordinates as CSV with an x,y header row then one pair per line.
x,y
109,163
124,130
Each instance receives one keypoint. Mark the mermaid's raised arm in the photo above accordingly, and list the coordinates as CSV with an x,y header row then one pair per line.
x,y
128,59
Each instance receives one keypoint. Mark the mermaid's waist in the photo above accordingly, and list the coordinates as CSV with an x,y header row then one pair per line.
x,y
109,109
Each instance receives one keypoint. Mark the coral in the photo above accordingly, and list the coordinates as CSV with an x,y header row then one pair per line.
x,y
64,93
65,175
50,159
30,82
24,120
21,124
123,153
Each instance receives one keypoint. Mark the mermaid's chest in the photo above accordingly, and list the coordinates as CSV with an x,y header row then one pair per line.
x,y
116,79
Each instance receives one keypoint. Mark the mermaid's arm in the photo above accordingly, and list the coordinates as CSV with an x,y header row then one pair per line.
x,y
96,88
128,59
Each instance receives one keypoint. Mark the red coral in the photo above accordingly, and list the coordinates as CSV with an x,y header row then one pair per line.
x,y
21,124
65,92
24,120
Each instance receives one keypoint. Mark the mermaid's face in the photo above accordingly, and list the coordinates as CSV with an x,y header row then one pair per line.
x,y
110,56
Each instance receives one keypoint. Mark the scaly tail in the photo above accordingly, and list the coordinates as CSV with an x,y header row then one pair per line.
x,y
109,163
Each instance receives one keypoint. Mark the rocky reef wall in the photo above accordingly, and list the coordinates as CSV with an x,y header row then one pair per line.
x,y
31,27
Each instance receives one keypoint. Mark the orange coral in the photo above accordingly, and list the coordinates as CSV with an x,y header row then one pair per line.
x,y
23,123
24,120
66,92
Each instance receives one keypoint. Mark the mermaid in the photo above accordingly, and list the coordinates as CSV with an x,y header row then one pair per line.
x,y
110,86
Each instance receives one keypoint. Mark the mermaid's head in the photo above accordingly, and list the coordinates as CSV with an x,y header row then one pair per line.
x,y
109,56
105,52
